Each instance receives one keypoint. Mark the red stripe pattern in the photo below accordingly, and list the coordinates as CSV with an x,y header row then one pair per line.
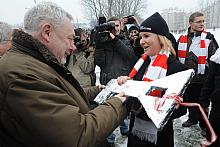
x,y
156,70
201,55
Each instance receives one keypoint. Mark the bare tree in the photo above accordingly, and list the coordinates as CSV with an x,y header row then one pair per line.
x,y
108,8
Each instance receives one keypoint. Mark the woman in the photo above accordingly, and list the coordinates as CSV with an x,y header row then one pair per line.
x,y
157,62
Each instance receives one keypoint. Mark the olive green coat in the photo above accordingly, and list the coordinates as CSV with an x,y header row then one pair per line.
x,y
41,103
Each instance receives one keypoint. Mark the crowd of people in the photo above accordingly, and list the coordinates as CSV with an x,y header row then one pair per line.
x,y
47,79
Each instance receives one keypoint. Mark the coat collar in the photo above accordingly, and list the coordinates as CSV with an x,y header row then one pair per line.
x,y
26,43
32,46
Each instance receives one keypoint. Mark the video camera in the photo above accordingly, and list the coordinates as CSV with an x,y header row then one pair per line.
x,y
102,31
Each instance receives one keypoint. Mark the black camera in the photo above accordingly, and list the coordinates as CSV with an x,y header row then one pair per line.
x,y
138,50
101,31
79,44
109,26
130,18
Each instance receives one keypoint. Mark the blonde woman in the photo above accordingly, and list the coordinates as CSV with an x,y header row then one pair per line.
x,y
157,62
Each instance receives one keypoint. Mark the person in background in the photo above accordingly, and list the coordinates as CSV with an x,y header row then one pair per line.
x,y
114,57
133,33
194,50
210,92
154,34
42,104
135,41
82,67
5,37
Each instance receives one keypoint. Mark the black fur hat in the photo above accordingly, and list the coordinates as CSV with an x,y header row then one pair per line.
x,y
155,24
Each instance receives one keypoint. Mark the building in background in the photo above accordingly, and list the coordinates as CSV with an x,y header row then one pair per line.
x,y
212,14
177,19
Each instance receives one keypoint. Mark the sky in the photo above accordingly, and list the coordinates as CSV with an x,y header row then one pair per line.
x,y
12,11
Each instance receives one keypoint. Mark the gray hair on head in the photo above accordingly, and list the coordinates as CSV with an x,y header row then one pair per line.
x,y
44,11
5,31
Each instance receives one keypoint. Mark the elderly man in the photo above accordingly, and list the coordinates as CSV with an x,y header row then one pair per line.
x,y
41,103
5,38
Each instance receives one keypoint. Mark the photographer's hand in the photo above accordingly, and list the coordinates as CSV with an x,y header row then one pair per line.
x,y
112,36
136,22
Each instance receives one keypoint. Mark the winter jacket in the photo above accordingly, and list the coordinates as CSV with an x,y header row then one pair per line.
x,y
191,58
211,87
42,104
82,68
165,138
211,92
114,58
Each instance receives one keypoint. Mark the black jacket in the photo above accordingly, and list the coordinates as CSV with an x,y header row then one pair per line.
x,y
164,137
114,58
211,87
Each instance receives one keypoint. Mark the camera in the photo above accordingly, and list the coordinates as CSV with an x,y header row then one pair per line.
x,y
138,50
109,26
131,20
79,44
101,34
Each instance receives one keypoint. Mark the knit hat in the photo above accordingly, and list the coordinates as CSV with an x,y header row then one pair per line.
x,y
133,27
155,24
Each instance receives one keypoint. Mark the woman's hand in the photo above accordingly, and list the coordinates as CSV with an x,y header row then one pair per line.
x,y
122,79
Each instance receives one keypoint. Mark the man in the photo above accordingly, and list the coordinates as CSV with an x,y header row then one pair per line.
x,y
194,50
41,103
82,67
5,38
114,57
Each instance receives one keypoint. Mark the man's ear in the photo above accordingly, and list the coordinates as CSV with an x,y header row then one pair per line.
x,y
46,30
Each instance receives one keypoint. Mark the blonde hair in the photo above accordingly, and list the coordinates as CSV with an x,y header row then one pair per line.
x,y
166,45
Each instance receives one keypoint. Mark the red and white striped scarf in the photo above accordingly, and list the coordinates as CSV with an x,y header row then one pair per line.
x,y
157,70
201,53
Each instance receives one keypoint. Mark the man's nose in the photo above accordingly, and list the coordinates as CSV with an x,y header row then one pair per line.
x,y
72,47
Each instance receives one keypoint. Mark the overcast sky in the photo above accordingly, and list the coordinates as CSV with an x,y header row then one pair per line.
x,y
12,11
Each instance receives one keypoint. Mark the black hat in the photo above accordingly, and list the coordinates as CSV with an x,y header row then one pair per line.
x,y
133,27
155,24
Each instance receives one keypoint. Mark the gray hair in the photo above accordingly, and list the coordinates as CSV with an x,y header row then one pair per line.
x,y
5,31
45,11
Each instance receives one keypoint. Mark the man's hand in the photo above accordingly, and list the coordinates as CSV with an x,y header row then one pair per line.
x,y
112,36
121,96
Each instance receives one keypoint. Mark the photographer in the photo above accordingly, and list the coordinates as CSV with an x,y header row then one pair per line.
x,y
81,66
135,40
114,57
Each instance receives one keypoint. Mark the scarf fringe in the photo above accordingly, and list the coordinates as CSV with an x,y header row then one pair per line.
x,y
145,136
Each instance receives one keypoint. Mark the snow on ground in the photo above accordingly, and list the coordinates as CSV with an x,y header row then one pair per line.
x,y
183,136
